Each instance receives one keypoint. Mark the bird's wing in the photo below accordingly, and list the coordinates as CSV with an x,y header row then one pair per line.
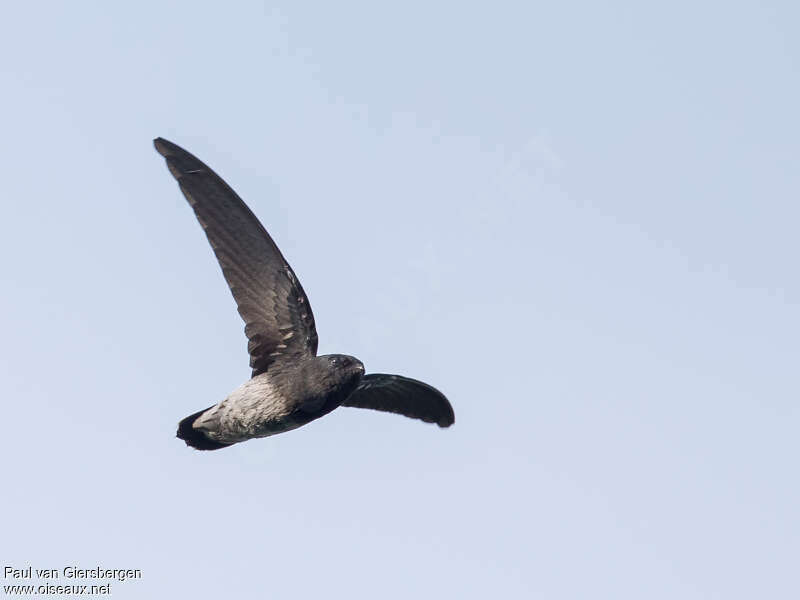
x,y
404,396
276,312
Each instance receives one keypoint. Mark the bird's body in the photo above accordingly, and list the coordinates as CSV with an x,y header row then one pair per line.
x,y
280,400
290,385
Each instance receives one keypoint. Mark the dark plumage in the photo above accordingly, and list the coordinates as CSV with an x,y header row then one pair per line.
x,y
194,437
290,384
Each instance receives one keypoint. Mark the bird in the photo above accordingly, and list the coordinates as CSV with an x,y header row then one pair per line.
x,y
290,385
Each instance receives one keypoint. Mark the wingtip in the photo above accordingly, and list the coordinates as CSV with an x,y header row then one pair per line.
x,y
162,146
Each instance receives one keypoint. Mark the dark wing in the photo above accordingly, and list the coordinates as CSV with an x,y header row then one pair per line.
x,y
404,396
276,312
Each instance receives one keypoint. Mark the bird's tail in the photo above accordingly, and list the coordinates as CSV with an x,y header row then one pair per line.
x,y
195,437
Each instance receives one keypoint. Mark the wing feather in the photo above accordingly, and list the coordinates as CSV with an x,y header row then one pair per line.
x,y
404,396
268,295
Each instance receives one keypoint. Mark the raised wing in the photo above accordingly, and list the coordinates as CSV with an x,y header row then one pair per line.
x,y
404,396
277,315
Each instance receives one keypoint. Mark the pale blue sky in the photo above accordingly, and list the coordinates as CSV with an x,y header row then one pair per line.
x,y
578,220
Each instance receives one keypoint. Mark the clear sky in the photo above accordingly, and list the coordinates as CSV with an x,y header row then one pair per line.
x,y
579,220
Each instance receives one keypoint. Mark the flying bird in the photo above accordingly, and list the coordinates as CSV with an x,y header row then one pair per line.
x,y
290,385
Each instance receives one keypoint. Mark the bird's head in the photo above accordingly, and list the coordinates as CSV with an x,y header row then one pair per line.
x,y
340,371
332,378
324,382
345,365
